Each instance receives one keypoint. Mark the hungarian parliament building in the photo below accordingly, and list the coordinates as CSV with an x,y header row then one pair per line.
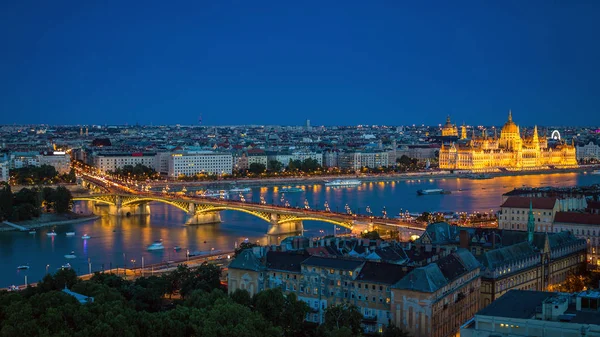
x,y
511,151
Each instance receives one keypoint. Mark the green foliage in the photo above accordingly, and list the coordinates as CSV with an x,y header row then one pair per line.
x,y
257,168
241,296
6,201
394,331
62,199
138,172
242,246
284,311
373,235
275,166
343,316
32,175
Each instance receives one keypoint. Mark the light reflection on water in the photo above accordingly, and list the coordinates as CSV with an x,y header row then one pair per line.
x,y
116,241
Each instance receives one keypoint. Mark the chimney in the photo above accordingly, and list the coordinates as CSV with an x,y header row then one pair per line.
x,y
464,239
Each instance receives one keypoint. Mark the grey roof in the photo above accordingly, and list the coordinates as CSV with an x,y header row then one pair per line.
x,y
246,260
424,279
289,261
436,275
379,272
498,257
516,304
444,233
334,263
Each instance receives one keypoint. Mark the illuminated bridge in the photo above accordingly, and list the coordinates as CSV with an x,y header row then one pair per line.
x,y
123,201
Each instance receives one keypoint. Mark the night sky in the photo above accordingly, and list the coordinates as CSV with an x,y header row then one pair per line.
x,y
282,62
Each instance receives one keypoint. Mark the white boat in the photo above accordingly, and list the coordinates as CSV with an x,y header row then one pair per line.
x,y
70,233
432,191
70,256
343,183
156,245
51,233
216,194
85,236
32,232
240,190
66,266
291,190
595,172
22,267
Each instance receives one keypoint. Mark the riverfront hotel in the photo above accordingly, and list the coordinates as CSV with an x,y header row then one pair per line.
x,y
512,151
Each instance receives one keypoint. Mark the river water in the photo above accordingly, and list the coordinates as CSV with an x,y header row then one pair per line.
x,y
122,241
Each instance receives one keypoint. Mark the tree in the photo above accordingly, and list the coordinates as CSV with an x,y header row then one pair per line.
x,y
275,165
373,235
228,319
285,311
242,246
404,160
257,168
394,331
6,201
63,200
241,296
206,277
343,316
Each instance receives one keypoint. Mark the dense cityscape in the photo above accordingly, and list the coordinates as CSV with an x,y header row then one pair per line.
x,y
298,169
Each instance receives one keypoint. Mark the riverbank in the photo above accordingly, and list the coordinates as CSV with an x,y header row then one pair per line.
x,y
303,180
51,220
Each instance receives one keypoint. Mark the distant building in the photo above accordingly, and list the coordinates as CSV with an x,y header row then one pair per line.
x,y
4,170
59,160
585,226
449,129
201,162
514,213
511,151
110,161
538,314
358,160
588,152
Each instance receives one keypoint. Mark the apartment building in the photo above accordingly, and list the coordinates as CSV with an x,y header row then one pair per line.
x,y
358,160
60,160
427,301
585,226
110,161
514,213
200,162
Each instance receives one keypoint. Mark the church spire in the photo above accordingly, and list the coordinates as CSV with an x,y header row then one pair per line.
x,y
530,223
510,115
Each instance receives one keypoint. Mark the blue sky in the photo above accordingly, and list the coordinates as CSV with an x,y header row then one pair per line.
x,y
281,62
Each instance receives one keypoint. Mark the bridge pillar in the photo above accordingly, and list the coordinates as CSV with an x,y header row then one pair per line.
x,y
203,218
288,228
139,209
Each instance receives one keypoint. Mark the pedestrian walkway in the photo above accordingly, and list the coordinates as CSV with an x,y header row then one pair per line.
x,y
21,228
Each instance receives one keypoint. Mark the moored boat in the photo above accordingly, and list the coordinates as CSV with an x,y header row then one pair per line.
x,y
240,190
23,267
85,236
70,256
432,191
52,233
66,266
343,183
291,190
595,172
70,233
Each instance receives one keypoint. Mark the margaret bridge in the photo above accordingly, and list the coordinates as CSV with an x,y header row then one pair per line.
x,y
124,201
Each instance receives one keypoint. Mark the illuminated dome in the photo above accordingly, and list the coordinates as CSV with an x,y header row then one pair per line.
x,y
510,126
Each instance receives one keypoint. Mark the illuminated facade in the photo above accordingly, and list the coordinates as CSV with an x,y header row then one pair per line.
x,y
449,129
511,151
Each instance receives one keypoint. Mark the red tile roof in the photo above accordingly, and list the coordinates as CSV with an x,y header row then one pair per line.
x,y
577,218
523,202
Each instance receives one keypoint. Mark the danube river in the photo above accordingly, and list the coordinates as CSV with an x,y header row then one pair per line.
x,y
118,241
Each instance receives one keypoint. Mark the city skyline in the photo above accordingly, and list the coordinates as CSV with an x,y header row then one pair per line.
x,y
273,63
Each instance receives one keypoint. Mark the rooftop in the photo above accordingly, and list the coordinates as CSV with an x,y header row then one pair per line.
x,y
524,202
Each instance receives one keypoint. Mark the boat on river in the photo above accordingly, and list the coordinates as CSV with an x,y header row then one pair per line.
x,y
595,172
85,236
432,191
240,190
156,245
52,233
70,256
70,233
343,183
291,190
23,267
66,266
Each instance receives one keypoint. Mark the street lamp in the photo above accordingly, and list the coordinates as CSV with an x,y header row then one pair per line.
x,y
47,268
